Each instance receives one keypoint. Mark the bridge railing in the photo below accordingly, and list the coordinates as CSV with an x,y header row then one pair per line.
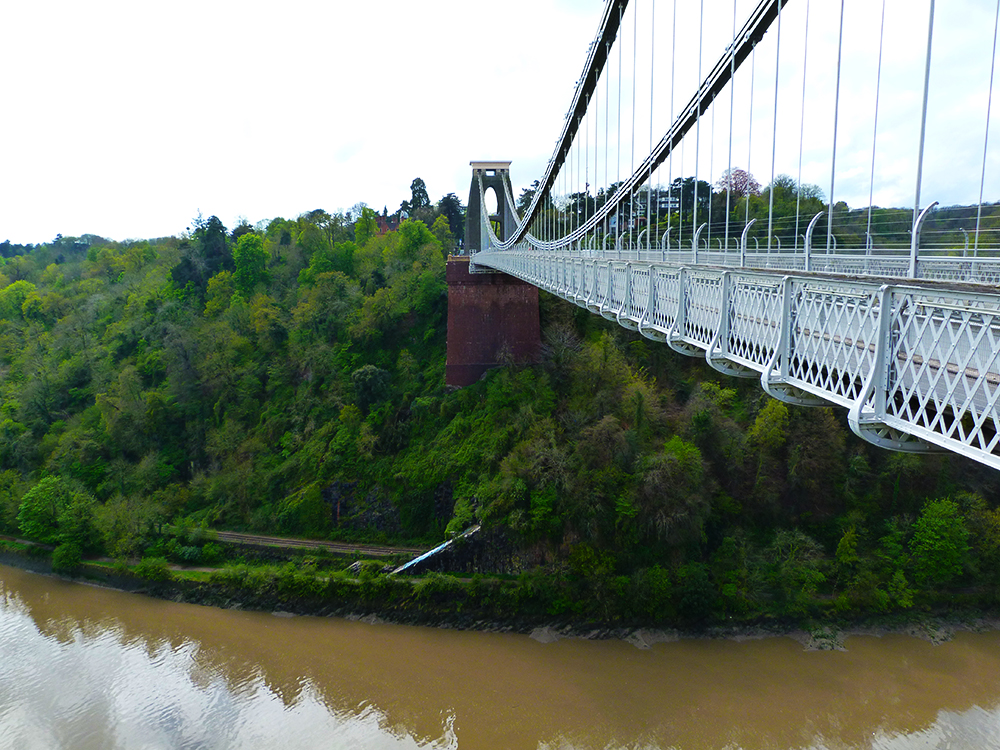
x,y
918,367
938,264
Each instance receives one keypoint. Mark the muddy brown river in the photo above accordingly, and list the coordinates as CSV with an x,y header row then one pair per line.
x,y
83,667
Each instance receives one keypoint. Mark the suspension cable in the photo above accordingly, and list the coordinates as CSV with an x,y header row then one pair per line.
x,y
802,125
923,117
753,67
697,128
878,85
607,127
680,214
836,112
670,167
618,149
774,134
652,88
732,89
711,171
635,45
986,139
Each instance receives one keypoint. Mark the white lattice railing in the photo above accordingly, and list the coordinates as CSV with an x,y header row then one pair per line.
x,y
952,265
917,366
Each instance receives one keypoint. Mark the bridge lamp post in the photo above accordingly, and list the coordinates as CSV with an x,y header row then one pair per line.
x,y
915,240
696,240
809,238
743,243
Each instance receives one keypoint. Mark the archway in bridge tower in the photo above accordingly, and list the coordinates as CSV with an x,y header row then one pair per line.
x,y
492,206
495,178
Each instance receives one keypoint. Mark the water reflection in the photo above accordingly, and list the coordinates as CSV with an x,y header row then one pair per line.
x,y
84,667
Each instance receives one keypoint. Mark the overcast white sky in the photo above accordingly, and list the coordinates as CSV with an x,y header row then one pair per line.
x,y
125,119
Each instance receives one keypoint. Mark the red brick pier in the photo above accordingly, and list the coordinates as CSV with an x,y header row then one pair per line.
x,y
492,317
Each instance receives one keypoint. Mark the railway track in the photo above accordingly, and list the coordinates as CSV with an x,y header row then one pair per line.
x,y
341,548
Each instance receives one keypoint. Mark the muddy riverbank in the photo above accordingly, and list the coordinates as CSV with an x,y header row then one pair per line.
x,y
402,601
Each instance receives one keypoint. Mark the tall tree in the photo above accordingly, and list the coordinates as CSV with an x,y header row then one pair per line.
x,y
452,209
418,195
527,195
365,227
210,235
683,190
250,259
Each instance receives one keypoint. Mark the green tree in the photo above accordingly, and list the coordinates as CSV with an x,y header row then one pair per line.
x,y
939,544
418,195
13,297
527,195
51,512
220,291
371,385
250,259
365,227
442,232
671,492
41,506
796,560
451,208
213,245
770,428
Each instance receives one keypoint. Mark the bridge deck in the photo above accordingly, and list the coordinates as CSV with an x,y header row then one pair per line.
x,y
917,362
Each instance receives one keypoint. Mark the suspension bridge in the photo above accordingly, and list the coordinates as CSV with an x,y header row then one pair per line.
x,y
893,314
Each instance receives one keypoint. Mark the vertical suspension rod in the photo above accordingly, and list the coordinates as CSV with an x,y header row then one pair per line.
x,y
878,86
836,112
923,115
732,99
802,125
697,128
652,77
753,66
986,139
774,135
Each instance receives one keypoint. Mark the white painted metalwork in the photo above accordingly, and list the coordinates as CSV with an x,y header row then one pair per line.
x,y
905,337
918,367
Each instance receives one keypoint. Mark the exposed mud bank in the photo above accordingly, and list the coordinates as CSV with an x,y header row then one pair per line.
x,y
936,628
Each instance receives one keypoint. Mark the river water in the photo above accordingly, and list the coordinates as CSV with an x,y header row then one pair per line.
x,y
83,667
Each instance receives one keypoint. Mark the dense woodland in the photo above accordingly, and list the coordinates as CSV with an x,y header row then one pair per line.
x,y
288,378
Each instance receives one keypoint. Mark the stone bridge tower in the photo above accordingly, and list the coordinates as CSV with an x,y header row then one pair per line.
x,y
492,317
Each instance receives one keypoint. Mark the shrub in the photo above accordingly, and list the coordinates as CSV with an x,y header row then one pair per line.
x,y
152,569
384,589
244,577
294,583
67,558
188,554
437,587
211,553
